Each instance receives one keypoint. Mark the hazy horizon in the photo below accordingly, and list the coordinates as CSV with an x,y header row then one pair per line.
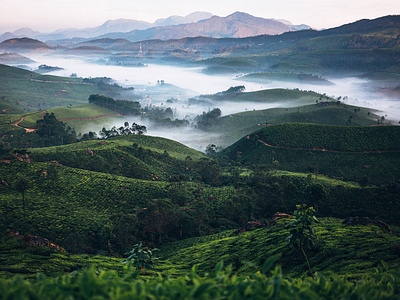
x,y
48,16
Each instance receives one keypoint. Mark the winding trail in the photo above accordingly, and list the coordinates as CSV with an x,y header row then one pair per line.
x,y
16,123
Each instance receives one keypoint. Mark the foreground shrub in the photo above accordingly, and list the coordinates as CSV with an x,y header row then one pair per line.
x,y
220,284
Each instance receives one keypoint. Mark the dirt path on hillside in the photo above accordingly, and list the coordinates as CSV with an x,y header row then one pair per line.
x,y
92,118
326,150
26,129
16,123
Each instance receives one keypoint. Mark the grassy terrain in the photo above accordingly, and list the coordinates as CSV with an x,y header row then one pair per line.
x,y
237,125
28,261
221,283
30,91
155,144
368,153
76,208
339,138
343,250
83,118
96,124
135,162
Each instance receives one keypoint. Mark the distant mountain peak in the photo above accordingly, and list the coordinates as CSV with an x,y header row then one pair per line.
x,y
178,20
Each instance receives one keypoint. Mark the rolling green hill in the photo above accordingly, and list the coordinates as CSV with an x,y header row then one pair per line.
x,y
293,97
343,250
93,212
234,127
135,156
351,153
80,117
30,91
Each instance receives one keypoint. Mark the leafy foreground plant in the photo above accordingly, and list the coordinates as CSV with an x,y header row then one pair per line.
x,y
140,257
302,232
220,284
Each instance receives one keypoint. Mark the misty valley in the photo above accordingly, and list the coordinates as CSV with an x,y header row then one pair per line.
x,y
145,164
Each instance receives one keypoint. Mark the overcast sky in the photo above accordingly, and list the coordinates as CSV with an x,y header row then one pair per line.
x,y
50,15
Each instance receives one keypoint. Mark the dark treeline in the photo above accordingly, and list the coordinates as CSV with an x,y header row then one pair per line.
x,y
120,106
207,120
160,116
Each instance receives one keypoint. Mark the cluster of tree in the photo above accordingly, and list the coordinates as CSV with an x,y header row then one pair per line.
x,y
120,106
97,80
170,123
207,120
54,132
224,95
160,116
123,130
157,113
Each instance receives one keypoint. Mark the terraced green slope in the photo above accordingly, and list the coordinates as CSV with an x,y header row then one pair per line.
x,y
156,144
85,211
343,249
352,153
237,125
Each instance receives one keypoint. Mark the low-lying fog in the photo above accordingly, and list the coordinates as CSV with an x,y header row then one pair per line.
x,y
181,83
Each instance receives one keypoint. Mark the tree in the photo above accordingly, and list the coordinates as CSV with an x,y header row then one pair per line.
x,y
54,132
302,232
22,185
209,170
141,256
211,150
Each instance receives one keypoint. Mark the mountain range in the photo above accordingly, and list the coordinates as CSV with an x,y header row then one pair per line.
x,y
382,34
174,27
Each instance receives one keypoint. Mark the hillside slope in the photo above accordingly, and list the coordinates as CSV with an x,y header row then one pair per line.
x,y
30,91
342,249
370,154
234,127
134,156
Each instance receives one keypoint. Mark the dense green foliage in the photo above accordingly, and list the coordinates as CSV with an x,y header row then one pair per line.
x,y
347,139
207,120
234,127
140,257
362,154
120,106
132,156
220,284
342,250
54,132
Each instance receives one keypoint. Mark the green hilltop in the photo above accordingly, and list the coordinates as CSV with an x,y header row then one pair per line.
x,y
234,127
29,91
369,154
